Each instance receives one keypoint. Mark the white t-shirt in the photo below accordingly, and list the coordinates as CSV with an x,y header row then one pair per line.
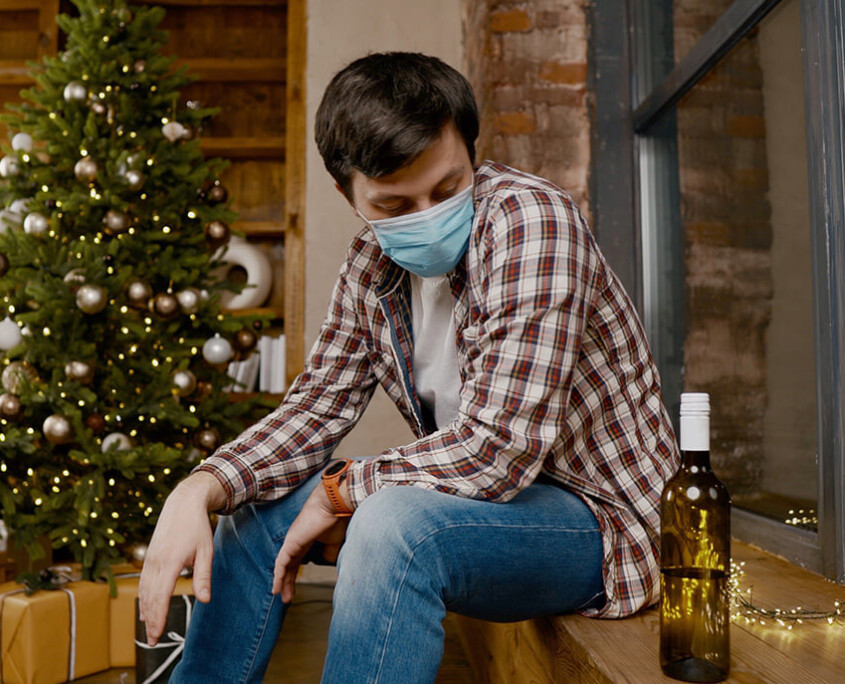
x,y
436,372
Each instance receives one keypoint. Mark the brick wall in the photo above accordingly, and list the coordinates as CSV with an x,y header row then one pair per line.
x,y
727,240
527,62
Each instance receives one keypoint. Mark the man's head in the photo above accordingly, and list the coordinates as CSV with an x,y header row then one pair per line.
x,y
382,111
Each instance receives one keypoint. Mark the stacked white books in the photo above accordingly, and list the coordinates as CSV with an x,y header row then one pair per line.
x,y
263,370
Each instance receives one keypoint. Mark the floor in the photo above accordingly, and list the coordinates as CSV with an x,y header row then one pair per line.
x,y
298,657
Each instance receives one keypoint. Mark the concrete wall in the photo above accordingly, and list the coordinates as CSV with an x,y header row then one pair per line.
x,y
339,32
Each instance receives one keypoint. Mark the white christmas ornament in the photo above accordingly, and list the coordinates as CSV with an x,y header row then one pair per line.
x,y
19,206
10,334
117,441
217,350
174,131
259,274
22,142
9,166
35,223
75,92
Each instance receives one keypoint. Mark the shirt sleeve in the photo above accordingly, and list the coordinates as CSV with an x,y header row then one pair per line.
x,y
536,275
292,443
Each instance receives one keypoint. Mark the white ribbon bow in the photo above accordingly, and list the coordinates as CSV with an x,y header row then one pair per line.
x,y
177,642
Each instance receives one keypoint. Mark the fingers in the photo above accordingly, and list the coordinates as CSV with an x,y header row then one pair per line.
x,y
202,572
284,574
154,591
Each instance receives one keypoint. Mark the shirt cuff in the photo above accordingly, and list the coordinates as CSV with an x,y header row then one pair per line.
x,y
362,480
238,481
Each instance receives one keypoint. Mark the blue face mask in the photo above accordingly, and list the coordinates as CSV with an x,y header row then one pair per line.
x,y
429,242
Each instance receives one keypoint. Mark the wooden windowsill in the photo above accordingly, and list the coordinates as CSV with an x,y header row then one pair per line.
x,y
573,648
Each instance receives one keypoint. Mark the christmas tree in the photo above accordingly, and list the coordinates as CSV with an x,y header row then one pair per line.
x,y
113,348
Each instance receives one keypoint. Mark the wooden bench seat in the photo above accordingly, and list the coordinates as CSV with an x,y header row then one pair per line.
x,y
573,648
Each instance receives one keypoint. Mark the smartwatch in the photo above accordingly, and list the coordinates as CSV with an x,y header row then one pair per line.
x,y
333,477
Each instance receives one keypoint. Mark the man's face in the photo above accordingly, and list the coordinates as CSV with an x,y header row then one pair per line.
x,y
441,171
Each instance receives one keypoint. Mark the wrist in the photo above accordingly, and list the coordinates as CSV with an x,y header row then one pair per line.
x,y
205,488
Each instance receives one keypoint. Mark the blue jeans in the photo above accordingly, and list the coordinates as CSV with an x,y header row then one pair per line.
x,y
409,556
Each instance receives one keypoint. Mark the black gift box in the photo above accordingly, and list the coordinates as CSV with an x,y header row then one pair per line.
x,y
156,663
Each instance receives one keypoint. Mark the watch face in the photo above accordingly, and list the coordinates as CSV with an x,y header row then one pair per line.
x,y
334,469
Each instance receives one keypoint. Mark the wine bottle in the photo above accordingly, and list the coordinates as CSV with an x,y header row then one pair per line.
x,y
695,557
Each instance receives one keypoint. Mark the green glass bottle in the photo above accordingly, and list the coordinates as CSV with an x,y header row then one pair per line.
x,y
695,552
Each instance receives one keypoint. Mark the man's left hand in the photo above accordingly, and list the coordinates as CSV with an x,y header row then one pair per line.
x,y
315,522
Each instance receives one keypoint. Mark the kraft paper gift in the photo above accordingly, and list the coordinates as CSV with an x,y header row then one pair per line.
x,y
53,636
122,622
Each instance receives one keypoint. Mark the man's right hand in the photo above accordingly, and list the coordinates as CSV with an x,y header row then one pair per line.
x,y
182,538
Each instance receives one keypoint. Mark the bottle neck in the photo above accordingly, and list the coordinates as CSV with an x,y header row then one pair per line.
x,y
695,459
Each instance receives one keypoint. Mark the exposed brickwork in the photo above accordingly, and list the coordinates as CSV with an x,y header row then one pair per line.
x,y
727,230
528,64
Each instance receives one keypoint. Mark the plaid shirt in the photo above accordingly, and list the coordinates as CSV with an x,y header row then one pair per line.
x,y
556,378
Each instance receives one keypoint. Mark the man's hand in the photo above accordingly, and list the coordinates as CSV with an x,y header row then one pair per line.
x,y
315,522
182,538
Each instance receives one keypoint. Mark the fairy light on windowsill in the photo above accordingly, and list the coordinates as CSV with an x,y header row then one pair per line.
x,y
744,608
803,518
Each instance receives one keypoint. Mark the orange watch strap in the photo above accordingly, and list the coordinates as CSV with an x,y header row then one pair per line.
x,y
333,477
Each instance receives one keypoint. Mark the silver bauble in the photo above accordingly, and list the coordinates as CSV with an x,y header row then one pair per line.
x,y
117,441
134,179
189,300
91,299
75,92
35,223
85,169
137,554
81,371
57,429
217,350
74,278
15,373
165,304
174,131
10,334
10,406
9,166
184,383
19,206
116,221
22,142
138,293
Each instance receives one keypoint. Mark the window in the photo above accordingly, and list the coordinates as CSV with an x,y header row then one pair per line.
x,y
737,206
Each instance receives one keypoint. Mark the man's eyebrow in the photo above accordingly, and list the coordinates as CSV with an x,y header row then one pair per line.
x,y
449,175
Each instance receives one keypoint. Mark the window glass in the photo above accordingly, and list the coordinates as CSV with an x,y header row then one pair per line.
x,y
747,306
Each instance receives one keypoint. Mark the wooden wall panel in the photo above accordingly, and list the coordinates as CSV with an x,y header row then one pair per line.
x,y
246,109
243,32
18,34
257,189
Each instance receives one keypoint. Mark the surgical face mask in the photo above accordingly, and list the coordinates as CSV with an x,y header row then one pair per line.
x,y
429,242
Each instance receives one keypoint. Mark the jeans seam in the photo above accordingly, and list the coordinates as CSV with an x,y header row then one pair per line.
x,y
257,642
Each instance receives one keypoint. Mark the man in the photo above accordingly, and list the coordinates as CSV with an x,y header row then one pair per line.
x,y
477,298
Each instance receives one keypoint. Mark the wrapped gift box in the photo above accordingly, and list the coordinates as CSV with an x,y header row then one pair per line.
x,y
53,636
122,627
154,664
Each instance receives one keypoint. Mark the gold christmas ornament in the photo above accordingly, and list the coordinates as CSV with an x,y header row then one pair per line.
x,y
14,375
217,234
91,299
85,169
81,371
74,279
75,92
165,305
184,383
138,293
140,66
217,193
57,429
207,439
96,422
245,340
10,407
189,300
115,221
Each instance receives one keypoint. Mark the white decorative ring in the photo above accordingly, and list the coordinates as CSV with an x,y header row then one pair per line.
x,y
259,275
